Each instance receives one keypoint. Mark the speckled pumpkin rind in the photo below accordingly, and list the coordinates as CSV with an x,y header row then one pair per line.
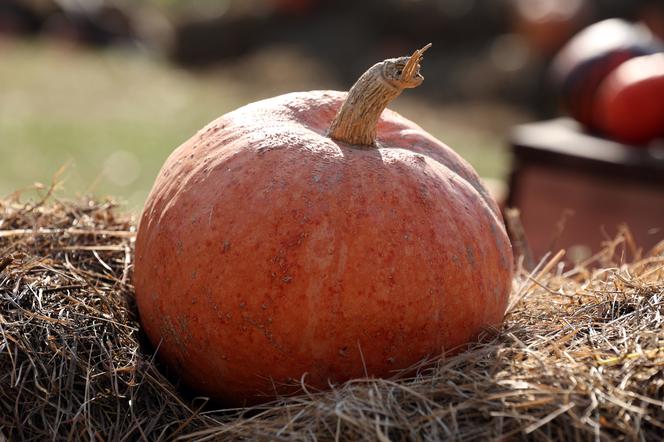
x,y
266,250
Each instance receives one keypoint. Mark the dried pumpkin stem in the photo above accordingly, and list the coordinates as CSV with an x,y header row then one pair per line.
x,y
358,117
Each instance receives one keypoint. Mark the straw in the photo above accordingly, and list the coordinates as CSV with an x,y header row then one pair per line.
x,y
579,357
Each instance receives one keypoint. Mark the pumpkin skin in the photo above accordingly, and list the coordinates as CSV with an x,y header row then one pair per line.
x,y
630,101
268,252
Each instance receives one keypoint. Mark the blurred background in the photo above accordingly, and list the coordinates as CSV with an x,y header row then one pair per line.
x,y
101,91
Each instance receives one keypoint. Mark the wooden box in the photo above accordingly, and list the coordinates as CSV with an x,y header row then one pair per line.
x,y
574,190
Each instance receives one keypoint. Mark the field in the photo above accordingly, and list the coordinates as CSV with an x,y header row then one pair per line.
x,y
110,118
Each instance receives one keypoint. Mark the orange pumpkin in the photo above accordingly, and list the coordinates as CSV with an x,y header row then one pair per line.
x,y
315,236
579,68
630,101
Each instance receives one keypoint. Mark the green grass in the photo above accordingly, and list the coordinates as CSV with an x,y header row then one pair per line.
x,y
113,117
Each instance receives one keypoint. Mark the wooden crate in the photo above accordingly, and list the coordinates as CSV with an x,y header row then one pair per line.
x,y
574,190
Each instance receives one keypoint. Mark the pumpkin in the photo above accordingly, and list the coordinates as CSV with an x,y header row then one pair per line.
x,y
630,101
586,60
316,237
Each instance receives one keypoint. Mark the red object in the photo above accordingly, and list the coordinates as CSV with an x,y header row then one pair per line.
x,y
630,101
590,56
268,252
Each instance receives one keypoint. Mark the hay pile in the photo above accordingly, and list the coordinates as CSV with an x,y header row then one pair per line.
x,y
581,354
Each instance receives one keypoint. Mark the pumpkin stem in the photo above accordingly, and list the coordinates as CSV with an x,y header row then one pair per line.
x,y
358,117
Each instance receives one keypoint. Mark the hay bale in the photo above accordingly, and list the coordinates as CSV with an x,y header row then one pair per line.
x,y
581,353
